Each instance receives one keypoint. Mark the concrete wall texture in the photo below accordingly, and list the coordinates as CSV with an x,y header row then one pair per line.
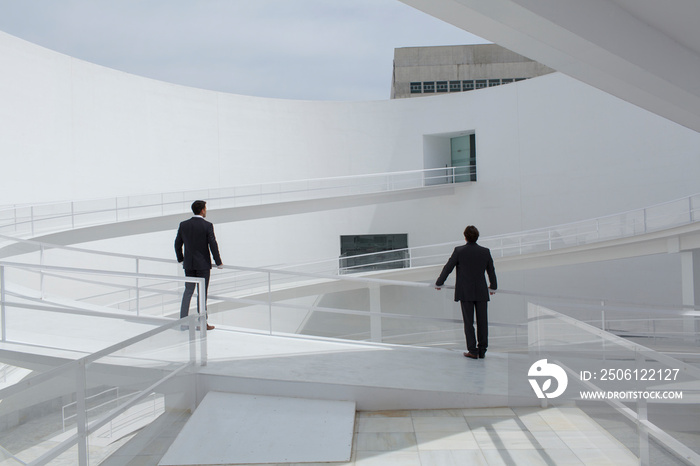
x,y
458,62
550,150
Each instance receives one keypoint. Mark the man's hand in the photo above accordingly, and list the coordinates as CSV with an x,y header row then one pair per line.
x,y
220,266
492,292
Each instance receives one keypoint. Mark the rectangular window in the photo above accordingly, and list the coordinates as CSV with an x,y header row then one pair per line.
x,y
463,158
455,86
442,86
468,85
429,86
416,88
363,253
480,84
494,82
506,81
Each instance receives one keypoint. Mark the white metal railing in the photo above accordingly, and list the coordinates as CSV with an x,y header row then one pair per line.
x,y
622,225
77,371
580,348
264,289
275,303
422,331
68,417
24,301
30,220
627,224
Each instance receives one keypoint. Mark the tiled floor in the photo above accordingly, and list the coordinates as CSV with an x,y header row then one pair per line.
x,y
496,436
489,436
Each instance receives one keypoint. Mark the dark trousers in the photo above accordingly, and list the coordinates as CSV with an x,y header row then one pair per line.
x,y
189,291
476,344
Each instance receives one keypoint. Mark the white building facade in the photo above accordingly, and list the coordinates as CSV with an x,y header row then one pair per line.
x,y
549,150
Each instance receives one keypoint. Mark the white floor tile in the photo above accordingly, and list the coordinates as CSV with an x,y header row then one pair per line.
x,y
446,441
516,457
386,441
440,424
452,458
506,440
481,412
391,424
394,458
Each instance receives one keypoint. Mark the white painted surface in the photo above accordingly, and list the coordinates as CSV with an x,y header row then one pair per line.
x,y
645,52
229,429
549,150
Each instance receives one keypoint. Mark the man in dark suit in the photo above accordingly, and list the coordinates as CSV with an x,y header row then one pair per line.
x,y
197,235
472,262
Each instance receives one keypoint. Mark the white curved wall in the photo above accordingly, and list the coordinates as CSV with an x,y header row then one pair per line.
x,y
549,150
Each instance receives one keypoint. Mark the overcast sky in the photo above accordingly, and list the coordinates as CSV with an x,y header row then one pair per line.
x,y
294,49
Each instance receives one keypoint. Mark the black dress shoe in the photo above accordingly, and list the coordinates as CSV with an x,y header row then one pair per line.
x,y
471,356
482,355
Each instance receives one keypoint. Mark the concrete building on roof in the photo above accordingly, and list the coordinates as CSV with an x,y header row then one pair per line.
x,y
421,71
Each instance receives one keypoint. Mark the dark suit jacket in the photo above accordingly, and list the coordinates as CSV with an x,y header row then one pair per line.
x,y
197,235
472,261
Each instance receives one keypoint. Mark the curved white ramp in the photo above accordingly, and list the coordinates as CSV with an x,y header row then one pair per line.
x,y
242,429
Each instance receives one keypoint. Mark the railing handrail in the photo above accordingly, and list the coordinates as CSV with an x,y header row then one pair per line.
x,y
502,237
674,445
279,271
619,341
241,186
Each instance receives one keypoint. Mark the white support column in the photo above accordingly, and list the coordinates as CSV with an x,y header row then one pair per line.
x,y
642,418
690,285
81,413
375,313
3,319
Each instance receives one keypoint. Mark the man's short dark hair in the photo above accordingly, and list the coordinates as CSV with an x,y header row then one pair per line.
x,y
198,207
471,234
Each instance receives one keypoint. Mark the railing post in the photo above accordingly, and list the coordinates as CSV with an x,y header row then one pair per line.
x,y
2,303
72,215
202,296
642,417
191,323
41,272
603,324
269,299
81,413
375,313
138,289
690,209
31,219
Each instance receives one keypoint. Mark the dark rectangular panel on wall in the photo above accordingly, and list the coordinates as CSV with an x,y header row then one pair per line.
x,y
463,158
362,253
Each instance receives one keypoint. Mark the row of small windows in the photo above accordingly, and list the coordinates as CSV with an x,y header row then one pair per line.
x,y
428,87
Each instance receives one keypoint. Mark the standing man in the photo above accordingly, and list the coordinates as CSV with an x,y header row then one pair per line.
x,y
472,261
197,235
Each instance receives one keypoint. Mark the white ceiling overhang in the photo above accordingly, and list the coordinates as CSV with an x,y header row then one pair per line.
x,y
646,52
